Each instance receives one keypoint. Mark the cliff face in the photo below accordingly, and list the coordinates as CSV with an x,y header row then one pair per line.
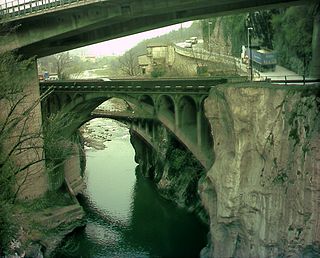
x,y
172,168
263,192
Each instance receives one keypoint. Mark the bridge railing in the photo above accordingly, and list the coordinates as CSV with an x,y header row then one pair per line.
x,y
287,79
178,85
10,10
200,53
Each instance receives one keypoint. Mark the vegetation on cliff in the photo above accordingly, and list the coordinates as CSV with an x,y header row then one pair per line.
x,y
173,169
274,29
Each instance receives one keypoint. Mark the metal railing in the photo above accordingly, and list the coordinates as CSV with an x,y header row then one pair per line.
x,y
287,79
11,10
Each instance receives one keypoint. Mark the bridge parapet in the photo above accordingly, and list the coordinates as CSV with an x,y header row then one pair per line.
x,y
17,9
205,55
134,86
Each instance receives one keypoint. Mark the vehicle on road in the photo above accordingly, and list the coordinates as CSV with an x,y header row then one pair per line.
x,y
262,59
194,40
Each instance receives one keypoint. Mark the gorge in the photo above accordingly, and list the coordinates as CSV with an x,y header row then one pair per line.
x,y
261,196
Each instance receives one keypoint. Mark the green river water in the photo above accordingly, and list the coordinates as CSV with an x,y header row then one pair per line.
x,y
126,217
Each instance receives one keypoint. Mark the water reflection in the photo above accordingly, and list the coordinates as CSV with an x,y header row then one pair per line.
x,y
125,215
162,228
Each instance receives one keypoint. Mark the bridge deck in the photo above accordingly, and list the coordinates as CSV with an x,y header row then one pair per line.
x,y
134,86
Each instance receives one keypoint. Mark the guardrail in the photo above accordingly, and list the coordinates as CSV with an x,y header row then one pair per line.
x,y
10,10
287,79
205,55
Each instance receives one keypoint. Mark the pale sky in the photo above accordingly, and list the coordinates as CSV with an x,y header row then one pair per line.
x,y
121,45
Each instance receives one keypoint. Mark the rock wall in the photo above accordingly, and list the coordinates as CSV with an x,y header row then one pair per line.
x,y
173,169
263,192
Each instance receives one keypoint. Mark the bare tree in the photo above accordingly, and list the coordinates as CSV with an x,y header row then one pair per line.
x,y
129,63
62,63
16,138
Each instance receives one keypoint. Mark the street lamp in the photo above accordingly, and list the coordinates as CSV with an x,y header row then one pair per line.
x,y
250,71
209,23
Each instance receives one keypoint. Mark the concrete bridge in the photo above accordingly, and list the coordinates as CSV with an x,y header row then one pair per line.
x,y
44,27
176,103
38,28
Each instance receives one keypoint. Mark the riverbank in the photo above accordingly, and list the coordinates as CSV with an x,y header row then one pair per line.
x,y
40,225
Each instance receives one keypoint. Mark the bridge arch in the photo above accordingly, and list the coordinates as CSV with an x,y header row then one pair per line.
x,y
166,107
147,99
187,108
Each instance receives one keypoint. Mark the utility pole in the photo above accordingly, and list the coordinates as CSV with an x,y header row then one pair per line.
x,y
209,47
250,71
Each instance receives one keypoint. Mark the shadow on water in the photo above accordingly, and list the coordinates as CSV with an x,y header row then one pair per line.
x,y
167,231
157,229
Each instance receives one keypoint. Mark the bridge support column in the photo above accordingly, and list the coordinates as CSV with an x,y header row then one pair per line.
x,y
31,180
176,117
153,131
199,127
315,61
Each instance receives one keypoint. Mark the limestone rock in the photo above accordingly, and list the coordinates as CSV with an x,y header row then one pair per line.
x,y
262,193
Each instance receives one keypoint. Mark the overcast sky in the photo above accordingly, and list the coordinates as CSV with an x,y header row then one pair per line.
x,y
121,45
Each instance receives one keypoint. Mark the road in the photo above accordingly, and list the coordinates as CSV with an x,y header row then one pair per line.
x,y
281,73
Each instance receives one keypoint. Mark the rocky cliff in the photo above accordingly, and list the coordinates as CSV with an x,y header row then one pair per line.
x,y
172,168
263,192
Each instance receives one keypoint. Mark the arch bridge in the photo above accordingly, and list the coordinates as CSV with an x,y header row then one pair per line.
x,y
177,104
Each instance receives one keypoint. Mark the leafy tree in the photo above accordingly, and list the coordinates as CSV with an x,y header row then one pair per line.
x,y
294,49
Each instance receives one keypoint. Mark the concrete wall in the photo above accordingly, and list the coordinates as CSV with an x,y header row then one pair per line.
x,y
32,181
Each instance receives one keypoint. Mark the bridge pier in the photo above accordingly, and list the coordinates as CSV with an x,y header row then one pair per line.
x,y
139,125
315,61
176,116
28,155
147,127
153,131
199,127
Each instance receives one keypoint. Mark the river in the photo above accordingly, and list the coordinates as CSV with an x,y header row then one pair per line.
x,y
126,217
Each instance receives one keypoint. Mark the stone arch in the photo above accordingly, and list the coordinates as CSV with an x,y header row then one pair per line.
x,y
187,108
82,106
53,104
66,99
147,99
166,107
117,103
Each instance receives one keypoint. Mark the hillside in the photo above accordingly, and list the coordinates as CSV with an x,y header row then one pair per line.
x,y
172,37
274,29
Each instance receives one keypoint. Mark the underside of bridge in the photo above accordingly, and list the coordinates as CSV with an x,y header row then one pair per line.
x,y
68,27
182,115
